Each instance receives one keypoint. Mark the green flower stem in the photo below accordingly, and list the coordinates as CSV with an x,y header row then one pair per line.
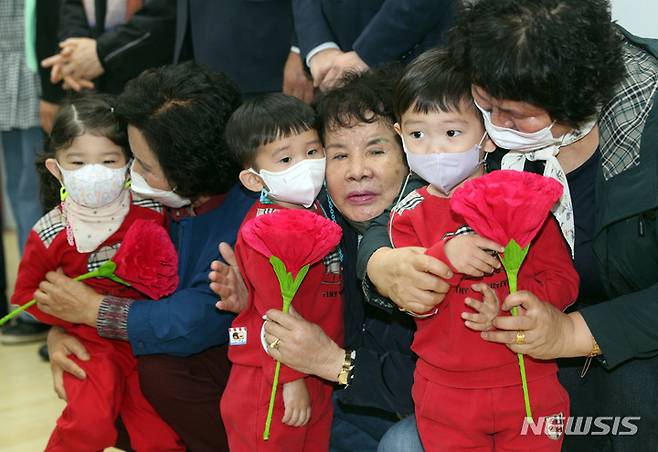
x,y
106,270
512,260
289,287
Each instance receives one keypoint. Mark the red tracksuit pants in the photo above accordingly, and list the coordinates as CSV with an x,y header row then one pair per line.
x,y
244,411
110,390
451,419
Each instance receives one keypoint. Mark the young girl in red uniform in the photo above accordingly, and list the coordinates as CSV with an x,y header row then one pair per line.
x,y
467,391
274,138
89,157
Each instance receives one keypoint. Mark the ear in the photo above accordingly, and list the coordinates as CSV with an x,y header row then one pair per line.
x,y
488,145
396,127
51,165
251,181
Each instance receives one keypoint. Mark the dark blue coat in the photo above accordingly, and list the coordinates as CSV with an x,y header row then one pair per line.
x,y
188,322
249,40
380,31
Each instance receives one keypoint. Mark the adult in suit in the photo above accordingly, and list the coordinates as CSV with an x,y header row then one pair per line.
x,y
337,36
249,40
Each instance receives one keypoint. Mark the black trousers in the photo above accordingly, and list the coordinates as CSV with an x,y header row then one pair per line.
x,y
186,393
628,391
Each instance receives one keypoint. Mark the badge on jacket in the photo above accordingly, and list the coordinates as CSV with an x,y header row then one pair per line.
x,y
237,336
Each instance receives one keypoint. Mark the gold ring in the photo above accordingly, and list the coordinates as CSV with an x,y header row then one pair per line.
x,y
520,337
275,344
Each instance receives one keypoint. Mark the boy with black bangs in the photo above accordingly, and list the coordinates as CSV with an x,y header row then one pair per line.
x,y
467,391
276,141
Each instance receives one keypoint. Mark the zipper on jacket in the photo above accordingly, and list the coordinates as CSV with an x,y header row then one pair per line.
x,y
126,46
640,227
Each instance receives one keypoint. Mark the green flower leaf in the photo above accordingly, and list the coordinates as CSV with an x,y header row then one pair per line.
x,y
106,270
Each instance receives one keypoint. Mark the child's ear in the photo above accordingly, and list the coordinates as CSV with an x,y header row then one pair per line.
x,y
51,165
396,127
251,181
488,145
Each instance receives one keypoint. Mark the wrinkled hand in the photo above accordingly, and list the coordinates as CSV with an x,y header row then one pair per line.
x,y
47,112
549,333
67,299
487,309
303,345
297,403
227,282
411,279
295,81
321,63
469,254
60,346
342,64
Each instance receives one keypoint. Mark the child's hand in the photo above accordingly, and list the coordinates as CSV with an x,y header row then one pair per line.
x,y
297,403
487,309
226,281
470,254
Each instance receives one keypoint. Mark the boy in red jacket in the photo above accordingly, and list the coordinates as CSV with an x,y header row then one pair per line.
x,y
274,138
467,391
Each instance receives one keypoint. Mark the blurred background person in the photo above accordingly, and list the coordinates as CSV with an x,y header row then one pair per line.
x,y
45,44
336,36
252,41
105,43
21,139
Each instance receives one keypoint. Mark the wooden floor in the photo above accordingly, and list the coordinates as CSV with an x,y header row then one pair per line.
x,y
28,405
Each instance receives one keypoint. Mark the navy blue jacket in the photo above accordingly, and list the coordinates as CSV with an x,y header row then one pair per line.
x,y
380,31
384,366
188,321
249,40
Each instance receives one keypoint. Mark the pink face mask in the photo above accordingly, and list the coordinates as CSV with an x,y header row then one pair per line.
x,y
445,170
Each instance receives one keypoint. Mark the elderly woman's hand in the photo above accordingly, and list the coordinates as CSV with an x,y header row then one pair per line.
x,y
303,345
60,346
409,277
68,299
226,281
547,333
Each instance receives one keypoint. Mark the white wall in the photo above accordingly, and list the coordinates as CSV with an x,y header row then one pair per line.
x,y
640,17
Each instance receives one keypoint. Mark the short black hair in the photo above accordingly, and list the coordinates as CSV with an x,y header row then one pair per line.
x,y
265,119
431,83
80,114
182,111
360,98
561,55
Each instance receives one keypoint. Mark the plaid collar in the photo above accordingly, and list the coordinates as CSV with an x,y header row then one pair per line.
x,y
623,118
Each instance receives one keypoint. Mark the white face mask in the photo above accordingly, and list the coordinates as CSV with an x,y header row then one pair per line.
x,y
167,198
445,170
513,140
300,184
94,185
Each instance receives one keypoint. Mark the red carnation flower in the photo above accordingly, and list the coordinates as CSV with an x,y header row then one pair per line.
x,y
507,204
297,237
147,260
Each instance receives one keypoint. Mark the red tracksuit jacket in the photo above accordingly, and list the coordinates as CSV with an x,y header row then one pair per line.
x,y
47,249
450,353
